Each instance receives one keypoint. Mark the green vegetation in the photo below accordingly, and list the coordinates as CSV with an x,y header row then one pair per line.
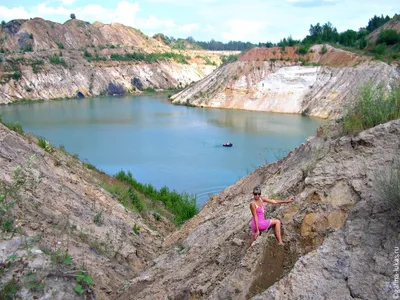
x,y
98,218
136,229
379,49
83,281
303,49
27,48
9,194
9,289
35,63
44,144
388,184
57,60
60,45
60,257
151,57
229,58
16,126
324,49
183,206
388,36
373,106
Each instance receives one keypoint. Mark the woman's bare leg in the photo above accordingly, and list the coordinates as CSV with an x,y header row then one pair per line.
x,y
252,239
277,230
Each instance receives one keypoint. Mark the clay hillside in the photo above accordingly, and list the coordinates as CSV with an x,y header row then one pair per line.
x,y
45,60
320,81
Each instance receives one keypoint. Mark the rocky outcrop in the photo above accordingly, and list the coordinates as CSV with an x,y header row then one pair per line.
x,y
55,215
339,234
46,60
276,81
73,34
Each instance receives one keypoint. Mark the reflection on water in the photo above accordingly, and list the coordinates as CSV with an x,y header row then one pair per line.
x,y
164,144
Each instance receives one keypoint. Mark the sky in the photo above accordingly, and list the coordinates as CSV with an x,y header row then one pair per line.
x,y
238,20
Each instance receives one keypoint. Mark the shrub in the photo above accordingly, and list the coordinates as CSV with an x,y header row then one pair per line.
x,y
56,60
17,75
150,58
60,45
87,54
388,184
228,58
362,43
44,144
388,36
303,49
373,106
323,50
83,282
379,49
136,202
98,218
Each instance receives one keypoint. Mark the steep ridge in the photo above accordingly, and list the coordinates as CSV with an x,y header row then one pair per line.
x,y
337,218
75,34
269,79
46,60
55,217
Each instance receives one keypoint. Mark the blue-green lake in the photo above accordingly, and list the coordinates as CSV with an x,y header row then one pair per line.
x,y
166,145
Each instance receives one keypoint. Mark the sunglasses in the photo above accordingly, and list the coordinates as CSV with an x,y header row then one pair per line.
x,y
257,194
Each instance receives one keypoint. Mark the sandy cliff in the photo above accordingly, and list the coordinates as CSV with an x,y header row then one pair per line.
x,y
46,60
268,79
339,233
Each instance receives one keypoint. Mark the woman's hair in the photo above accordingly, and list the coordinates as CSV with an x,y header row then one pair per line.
x,y
257,189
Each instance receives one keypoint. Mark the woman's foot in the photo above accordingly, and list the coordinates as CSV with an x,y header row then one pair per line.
x,y
281,244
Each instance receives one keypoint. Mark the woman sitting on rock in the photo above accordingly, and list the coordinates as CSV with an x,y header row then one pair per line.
x,y
258,223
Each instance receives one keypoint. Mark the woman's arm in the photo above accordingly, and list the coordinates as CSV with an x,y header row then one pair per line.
x,y
272,201
253,212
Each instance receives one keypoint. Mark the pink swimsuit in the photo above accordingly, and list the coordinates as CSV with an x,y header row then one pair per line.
x,y
262,223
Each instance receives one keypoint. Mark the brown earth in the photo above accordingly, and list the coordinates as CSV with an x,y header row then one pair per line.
x,y
320,83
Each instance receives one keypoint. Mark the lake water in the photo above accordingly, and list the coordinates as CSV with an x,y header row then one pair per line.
x,y
164,144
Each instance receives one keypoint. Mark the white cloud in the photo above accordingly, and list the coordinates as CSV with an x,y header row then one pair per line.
x,y
43,10
243,30
67,2
13,13
188,28
154,23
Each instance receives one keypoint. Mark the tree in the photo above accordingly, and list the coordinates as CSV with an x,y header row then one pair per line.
x,y
348,38
376,22
388,36
72,16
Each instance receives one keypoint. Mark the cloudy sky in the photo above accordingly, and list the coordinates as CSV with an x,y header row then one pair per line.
x,y
222,20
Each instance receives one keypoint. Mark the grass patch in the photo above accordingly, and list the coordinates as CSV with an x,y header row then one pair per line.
x,y
98,218
57,60
373,106
44,144
151,57
183,206
16,126
388,184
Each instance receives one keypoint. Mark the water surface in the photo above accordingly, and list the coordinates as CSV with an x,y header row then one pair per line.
x,y
164,144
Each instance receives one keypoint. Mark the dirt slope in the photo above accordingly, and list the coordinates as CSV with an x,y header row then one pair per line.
x,y
268,79
57,213
337,218
41,59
